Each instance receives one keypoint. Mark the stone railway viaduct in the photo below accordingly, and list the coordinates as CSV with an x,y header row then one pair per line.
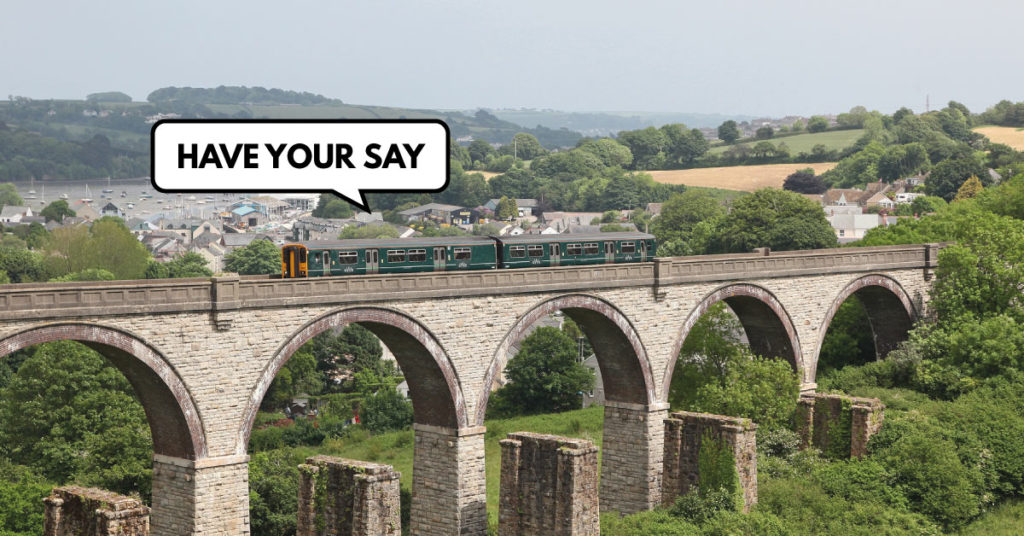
x,y
201,353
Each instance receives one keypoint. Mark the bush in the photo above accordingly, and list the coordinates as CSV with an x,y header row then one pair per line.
x,y
699,507
386,410
778,442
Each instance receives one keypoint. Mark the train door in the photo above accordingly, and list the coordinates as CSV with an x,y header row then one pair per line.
x,y
643,250
439,258
609,252
372,261
556,254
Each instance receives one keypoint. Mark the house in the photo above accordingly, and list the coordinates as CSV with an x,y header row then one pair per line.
x,y
562,220
85,211
596,395
272,205
436,212
164,245
851,227
233,241
14,214
247,216
213,252
527,207
111,209
317,229
588,229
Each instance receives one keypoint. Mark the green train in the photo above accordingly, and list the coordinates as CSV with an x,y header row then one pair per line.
x,y
408,255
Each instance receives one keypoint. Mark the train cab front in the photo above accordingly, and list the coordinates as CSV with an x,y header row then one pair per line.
x,y
293,261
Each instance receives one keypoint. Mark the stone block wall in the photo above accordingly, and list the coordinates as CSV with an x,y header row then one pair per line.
x,y
548,486
339,497
684,436
208,497
75,511
631,463
449,485
839,425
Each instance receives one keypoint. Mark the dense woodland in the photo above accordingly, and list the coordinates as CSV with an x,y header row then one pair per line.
x,y
948,461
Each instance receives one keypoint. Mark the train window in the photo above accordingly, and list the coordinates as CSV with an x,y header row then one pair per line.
x,y
574,249
316,259
628,247
517,251
554,250
348,257
536,251
591,249
396,255
643,246
463,254
417,255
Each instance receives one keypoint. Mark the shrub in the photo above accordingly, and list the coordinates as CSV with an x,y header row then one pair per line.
x,y
778,442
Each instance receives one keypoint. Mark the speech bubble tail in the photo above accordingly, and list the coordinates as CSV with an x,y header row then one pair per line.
x,y
355,197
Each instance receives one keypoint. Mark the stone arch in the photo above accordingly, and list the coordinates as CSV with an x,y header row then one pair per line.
x,y
174,421
433,383
625,369
890,311
769,328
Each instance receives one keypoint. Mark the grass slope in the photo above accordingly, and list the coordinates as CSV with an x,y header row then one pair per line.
x,y
803,143
742,178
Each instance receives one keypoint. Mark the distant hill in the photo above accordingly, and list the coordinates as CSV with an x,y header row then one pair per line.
x,y
608,123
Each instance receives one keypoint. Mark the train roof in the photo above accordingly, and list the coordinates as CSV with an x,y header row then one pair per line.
x,y
571,237
399,242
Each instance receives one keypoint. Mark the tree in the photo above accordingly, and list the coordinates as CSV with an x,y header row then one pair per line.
x,y
258,258
57,211
507,209
523,146
926,204
332,206
479,150
544,376
715,373
804,181
817,123
646,145
386,410
969,189
190,264
753,220
9,195
108,244
684,146
946,178
70,415
298,376
611,152
728,131
764,133
682,212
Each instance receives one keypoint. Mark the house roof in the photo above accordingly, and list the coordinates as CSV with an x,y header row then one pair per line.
x,y
110,207
428,207
9,211
243,211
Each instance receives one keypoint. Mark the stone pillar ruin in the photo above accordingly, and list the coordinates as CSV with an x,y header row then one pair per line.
x,y
631,464
209,496
839,425
685,433
75,510
548,486
339,497
449,485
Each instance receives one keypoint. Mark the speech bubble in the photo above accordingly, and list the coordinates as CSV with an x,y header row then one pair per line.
x,y
348,157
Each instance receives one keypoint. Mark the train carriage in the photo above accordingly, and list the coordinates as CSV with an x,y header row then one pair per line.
x,y
387,256
526,251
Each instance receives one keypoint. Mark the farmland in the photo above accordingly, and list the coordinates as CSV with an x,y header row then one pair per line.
x,y
803,143
1012,136
742,178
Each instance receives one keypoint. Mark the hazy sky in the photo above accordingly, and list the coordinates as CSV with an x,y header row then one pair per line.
x,y
755,57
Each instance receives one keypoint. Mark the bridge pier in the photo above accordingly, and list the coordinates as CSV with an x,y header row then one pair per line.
x,y
205,497
632,453
449,483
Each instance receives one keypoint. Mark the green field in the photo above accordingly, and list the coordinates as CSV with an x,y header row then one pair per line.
x,y
803,143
